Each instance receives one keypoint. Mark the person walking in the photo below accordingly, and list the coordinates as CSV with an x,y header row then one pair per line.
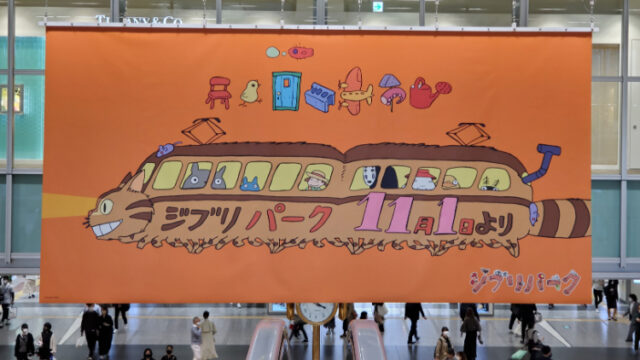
x,y
298,327
330,326
379,312
515,315
208,329
8,297
147,354
598,291
611,294
169,355
470,327
25,347
351,315
443,346
631,313
636,320
46,343
412,311
528,318
196,339
105,333
121,310
89,327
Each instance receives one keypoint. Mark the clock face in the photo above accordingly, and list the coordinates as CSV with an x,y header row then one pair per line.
x,y
317,312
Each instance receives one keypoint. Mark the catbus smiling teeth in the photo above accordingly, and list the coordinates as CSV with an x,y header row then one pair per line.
x,y
374,196
104,229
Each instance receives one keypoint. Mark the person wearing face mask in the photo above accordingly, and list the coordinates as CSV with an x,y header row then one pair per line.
x,y
169,355
46,343
148,354
25,347
196,339
105,333
443,347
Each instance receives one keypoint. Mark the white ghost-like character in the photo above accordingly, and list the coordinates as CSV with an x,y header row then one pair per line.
x,y
370,175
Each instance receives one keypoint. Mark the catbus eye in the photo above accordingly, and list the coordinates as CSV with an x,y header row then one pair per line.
x,y
105,206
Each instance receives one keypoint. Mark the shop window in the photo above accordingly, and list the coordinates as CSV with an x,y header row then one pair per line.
x,y
167,175
226,175
285,176
197,175
395,177
255,175
494,179
316,177
426,178
366,177
18,103
459,178
148,171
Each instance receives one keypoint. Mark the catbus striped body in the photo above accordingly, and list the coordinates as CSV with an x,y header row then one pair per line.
x,y
374,196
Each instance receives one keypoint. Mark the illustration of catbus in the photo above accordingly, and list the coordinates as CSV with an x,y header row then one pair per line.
x,y
283,195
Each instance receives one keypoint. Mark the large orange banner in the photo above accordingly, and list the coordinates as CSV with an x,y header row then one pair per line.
x,y
271,166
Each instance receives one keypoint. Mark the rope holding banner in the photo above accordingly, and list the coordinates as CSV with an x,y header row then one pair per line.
x,y
436,14
591,17
46,10
359,14
282,13
204,13
513,14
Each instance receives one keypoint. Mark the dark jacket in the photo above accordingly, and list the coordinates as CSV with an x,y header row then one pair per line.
x,y
31,349
105,327
527,312
470,324
611,290
413,310
90,322
465,306
169,357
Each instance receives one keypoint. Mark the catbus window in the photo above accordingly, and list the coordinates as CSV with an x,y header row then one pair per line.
x,y
459,178
255,175
316,177
167,175
284,177
426,178
494,179
148,171
366,177
226,175
395,177
197,175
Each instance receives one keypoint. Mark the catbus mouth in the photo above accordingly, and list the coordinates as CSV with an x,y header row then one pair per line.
x,y
104,229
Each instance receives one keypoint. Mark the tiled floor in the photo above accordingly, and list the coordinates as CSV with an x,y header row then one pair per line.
x,y
572,332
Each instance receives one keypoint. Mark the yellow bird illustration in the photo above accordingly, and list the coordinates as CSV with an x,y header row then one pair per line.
x,y
250,93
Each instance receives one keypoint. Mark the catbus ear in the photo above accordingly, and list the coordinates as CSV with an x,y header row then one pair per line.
x,y
136,182
125,180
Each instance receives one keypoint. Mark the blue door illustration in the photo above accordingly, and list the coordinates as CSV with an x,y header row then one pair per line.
x,y
286,90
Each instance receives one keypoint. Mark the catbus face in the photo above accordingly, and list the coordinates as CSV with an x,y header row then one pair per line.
x,y
373,196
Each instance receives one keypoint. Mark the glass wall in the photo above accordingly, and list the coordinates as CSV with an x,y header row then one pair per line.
x,y
615,84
